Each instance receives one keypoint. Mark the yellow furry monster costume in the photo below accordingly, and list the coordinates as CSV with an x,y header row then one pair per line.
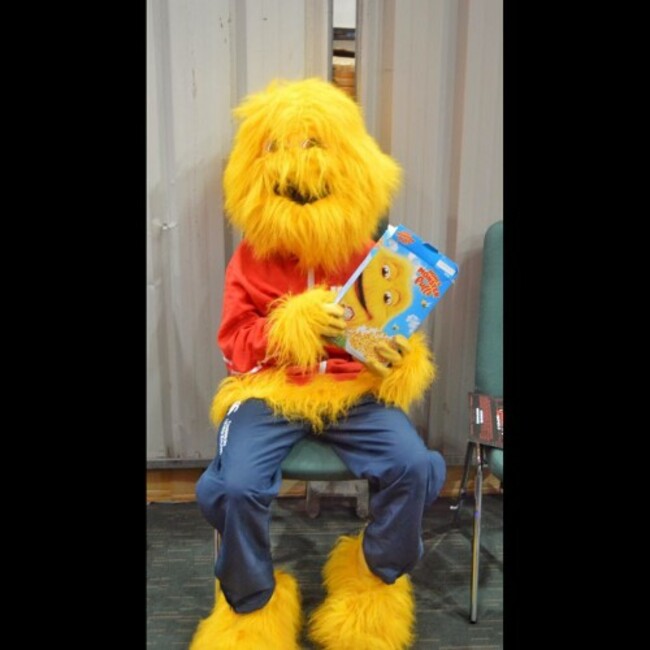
x,y
307,186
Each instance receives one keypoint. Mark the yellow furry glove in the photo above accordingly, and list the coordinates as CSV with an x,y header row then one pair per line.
x,y
410,373
298,323
394,356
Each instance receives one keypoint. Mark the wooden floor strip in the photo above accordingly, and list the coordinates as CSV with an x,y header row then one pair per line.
x,y
177,485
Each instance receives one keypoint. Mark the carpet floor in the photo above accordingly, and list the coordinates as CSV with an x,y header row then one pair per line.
x,y
180,582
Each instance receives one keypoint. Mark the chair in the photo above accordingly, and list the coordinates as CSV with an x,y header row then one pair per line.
x,y
488,381
316,463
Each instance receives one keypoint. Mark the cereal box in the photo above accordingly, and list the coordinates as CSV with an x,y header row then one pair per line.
x,y
392,291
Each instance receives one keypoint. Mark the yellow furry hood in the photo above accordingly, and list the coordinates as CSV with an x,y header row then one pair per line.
x,y
304,177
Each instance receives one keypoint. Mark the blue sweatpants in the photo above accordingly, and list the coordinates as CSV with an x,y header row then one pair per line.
x,y
375,442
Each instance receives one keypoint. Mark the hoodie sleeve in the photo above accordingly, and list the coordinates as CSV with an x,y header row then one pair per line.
x,y
242,335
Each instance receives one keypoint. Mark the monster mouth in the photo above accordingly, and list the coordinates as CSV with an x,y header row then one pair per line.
x,y
292,193
358,289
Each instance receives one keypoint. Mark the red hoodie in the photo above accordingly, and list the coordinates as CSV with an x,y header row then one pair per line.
x,y
251,286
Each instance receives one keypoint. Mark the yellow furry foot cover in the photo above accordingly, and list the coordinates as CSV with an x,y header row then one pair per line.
x,y
274,627
361,612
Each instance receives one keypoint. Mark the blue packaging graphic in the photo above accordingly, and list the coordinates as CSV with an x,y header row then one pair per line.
x,y
392,291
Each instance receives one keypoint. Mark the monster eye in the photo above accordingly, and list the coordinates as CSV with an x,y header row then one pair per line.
x,y
388,298
310,142
271,146
385,272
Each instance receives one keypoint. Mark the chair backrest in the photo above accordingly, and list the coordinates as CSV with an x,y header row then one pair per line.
x,y
489,350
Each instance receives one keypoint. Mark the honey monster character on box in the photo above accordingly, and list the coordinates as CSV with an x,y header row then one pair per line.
x,y
307,186
395,287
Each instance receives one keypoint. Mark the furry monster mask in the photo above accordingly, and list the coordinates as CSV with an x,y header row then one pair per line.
x,y
304,178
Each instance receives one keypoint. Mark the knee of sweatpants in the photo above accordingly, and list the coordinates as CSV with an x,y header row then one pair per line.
x,y
437,475
217,492
209,491
426,471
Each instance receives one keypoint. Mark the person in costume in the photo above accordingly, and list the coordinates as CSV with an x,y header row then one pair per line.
x,y
307,186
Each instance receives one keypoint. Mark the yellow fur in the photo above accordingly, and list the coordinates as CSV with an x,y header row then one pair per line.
x,y
308,135
322,399
325,398
274,627
361,612
295,324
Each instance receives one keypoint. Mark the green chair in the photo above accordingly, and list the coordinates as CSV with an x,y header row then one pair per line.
x,y
317,463
489,381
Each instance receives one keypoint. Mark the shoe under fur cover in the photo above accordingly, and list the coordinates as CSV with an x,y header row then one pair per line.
x,y
274,627
361,612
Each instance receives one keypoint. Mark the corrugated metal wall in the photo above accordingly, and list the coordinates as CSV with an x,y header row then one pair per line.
x,y
430,82
431,77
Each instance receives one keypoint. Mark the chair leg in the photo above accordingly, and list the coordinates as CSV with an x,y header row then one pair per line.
x,y
476,536
463,484
363,499
217,545
312,501
217,548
